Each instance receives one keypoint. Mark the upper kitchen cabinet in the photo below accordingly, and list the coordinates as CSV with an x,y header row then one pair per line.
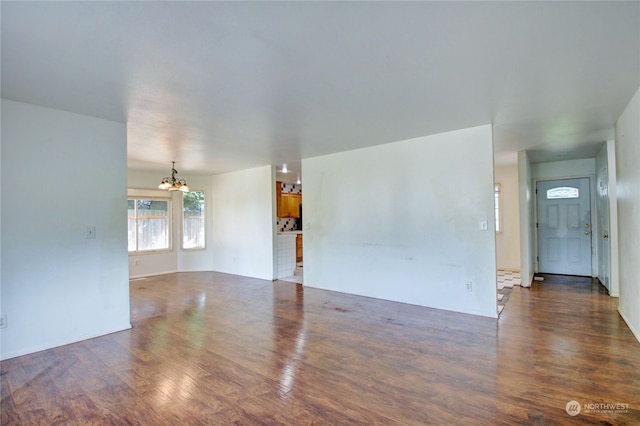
x,y
288,204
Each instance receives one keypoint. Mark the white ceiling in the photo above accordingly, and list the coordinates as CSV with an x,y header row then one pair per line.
x,y
222,86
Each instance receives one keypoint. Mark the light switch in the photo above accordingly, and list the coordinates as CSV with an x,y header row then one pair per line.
x,y
484,225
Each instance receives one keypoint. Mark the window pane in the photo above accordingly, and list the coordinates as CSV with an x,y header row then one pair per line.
x,y
193,220
153,225
563,192
131,222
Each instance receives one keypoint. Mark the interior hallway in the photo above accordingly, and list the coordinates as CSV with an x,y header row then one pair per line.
x,y
214,348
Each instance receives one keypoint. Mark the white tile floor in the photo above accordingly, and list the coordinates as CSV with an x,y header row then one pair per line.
x,y
505,282
508,279
297,276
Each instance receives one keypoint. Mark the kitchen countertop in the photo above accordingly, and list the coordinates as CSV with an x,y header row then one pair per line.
x,y
290,233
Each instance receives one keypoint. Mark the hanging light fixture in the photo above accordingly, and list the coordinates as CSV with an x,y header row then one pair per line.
x,y
172,183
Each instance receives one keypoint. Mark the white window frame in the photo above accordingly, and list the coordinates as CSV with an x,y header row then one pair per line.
x,y
204,245
152,195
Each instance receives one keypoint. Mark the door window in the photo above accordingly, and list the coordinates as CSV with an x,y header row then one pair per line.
x,y
562,192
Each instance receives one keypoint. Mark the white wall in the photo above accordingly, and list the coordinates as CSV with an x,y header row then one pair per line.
x,y
1,305
244,222
563,169
526,192
176,259
400,221
614,236
628,194
508,240
61,172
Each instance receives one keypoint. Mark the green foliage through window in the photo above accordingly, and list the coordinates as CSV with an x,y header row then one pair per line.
x,y
193,220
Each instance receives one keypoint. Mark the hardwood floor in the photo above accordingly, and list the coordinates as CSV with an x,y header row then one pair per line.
x,y
210,348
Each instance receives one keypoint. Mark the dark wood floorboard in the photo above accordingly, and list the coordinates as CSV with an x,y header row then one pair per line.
x,y
216,349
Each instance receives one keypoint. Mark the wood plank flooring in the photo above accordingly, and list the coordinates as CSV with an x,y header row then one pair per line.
x,y
210,348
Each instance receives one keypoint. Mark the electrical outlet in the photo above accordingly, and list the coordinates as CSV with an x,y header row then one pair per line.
x,y
3,321
468,286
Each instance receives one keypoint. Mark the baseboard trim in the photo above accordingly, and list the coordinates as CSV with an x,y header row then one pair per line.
x,y
154,274
636,333
64,342
527,283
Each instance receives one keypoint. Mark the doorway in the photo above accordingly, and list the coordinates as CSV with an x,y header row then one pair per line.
x,y
289,255
564,226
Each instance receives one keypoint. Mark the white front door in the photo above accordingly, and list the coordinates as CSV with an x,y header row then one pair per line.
x,y
564,226
602,206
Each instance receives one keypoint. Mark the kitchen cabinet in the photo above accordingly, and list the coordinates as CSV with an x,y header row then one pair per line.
x,y
289,205
293,203
299,248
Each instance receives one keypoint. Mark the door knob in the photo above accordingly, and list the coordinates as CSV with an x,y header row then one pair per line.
x,y
587,232
605,236
586,225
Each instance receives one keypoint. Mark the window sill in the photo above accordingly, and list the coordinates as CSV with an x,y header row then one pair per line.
x,y
139,253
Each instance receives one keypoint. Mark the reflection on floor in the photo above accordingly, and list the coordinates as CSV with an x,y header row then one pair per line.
x,y
505,282
214,348
297,276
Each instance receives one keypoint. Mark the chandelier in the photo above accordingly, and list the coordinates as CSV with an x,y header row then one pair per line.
x,y
172,183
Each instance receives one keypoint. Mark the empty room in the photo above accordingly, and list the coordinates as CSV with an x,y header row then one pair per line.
x,y
320,213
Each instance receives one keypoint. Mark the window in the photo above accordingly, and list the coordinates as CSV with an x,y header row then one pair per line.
x,y
563,192
193,220
497,200
149,225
